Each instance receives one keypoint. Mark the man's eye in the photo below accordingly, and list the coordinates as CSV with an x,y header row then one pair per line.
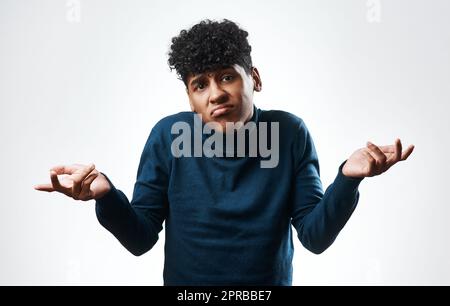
x,y
201,86
227,78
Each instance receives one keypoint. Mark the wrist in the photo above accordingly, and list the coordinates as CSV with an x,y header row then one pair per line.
x,y
346,171
106,186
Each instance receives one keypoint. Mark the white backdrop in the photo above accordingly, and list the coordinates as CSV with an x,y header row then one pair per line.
x,y
85,81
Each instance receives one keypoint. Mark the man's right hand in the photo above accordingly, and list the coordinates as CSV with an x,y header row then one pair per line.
x,y
79,182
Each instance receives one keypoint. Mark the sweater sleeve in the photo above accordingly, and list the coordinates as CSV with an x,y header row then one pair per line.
x,y
319,217
137,224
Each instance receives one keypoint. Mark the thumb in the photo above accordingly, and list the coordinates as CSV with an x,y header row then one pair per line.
x,y
44,187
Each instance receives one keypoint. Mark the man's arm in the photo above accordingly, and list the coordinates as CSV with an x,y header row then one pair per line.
x,y
319,217
136,230
85,183
137,224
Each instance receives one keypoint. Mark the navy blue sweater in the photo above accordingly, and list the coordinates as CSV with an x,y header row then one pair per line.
x,y
227,219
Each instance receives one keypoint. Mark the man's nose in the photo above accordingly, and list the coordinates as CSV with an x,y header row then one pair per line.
x,y
217,94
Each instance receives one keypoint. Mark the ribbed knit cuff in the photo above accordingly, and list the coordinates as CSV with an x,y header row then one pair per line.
x,y
346,184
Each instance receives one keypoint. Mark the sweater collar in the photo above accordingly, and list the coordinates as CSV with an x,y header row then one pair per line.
x,y
199,124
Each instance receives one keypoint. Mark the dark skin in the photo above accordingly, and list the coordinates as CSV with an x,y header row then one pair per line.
x,y
221,96
229,91
233,87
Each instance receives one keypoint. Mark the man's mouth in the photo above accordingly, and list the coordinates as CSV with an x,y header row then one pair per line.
x,y
221,110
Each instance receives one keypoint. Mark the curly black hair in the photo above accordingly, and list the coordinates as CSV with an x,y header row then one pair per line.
x,y
208,46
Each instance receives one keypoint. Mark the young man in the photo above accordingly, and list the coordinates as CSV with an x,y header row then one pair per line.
x,y
228,198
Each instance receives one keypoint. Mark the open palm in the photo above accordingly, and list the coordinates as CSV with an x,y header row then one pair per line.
x,y
374,160
77,181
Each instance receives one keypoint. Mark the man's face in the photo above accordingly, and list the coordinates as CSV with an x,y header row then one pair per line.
x,y
224,95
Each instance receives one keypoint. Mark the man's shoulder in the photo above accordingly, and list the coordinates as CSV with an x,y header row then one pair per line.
x,y
285,118
161,131
168,121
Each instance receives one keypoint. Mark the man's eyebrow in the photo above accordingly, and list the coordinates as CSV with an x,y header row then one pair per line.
x,y
196,79
228,69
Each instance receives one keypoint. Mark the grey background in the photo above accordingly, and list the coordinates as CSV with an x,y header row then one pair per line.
x,y
90,89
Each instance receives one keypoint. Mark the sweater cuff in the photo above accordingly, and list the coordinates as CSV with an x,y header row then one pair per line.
x,y
110,199
346,184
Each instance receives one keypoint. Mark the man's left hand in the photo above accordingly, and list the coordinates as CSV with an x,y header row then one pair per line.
x,y
374,160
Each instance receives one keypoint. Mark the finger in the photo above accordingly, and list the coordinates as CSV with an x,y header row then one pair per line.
x,y
64,169
55,182
407,152
387,149
78,178
374,165
377,153
371,162
397,153
85,193
44,187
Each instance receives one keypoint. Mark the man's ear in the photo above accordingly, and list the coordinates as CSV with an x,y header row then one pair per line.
x,y
190,101
257,84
